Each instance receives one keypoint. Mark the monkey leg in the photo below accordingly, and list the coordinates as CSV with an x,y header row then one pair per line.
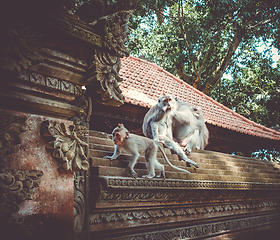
x,y
132,163
117,152
193,142
177,149
150,156
151,170
160,167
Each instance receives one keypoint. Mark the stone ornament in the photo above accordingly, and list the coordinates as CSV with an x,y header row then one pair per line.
x,y
79,203
207,229
66,145
114,216
128,183
20,46
103,79
11,127
16,186
116,32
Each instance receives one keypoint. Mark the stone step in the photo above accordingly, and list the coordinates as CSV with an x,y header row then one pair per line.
x,y
228,162
100,138
95,142
115,171
141,165
109,148
217,155
213,166
97,134
199,156
203,163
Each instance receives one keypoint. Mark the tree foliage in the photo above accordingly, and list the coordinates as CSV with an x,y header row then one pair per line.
x,y
253,89
213,45
197,40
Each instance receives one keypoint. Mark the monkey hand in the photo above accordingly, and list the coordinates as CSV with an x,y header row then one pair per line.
x,y
133,173
157,141
165,108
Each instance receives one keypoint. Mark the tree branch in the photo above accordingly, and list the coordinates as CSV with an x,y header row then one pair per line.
x,y
183,32
217,74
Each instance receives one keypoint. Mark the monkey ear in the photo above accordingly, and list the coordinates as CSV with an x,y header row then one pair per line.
x,y
126,135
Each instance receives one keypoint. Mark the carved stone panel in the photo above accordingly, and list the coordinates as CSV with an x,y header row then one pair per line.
x,y
67,144
11,127
103,78
207,229
15,187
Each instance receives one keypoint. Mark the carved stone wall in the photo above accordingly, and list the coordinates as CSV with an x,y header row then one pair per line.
x,y
49,53
194,206
34,185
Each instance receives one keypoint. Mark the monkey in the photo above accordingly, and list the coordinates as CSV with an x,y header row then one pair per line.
x,y
191,133
135,145
157,125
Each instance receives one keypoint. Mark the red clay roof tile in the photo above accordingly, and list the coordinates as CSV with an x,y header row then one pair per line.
x,y
144,82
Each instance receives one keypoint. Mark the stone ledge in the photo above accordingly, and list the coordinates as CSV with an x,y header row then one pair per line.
x,y
175,184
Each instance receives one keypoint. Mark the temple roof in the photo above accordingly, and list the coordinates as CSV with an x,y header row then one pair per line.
x,y
144,82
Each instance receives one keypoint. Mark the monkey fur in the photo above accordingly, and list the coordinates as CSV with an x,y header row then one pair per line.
x,y
135,145
171,120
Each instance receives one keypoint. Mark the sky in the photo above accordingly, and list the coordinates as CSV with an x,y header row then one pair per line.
x,y
275,53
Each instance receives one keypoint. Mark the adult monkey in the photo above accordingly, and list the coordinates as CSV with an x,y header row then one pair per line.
x,y
136,145
158,123
189,128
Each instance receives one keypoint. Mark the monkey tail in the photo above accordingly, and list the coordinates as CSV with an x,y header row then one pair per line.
x,y
169,163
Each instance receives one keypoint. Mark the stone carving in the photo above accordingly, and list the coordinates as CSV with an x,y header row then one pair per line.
x,y
80,177
22,53
103,78
91,10
11,127
19,46
51,82
129,189
67,144
115,27
114,216
108,32
73,27
79,204
127,183
204,230
103,72
175,195
15,187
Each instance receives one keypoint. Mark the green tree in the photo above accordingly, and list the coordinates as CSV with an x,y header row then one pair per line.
x,y
202,40
253,89
198,40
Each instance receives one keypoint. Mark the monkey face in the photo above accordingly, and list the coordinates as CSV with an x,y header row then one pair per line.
x,y
117,138
167,102
120,133
197,112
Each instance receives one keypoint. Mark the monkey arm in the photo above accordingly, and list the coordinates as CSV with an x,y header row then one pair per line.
x,y
133,161
117,152
183,117
154,129
168,126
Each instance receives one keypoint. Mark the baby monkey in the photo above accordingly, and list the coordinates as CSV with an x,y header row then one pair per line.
x,y
135,145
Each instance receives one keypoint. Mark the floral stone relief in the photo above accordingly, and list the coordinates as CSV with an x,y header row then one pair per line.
x,y
67,144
